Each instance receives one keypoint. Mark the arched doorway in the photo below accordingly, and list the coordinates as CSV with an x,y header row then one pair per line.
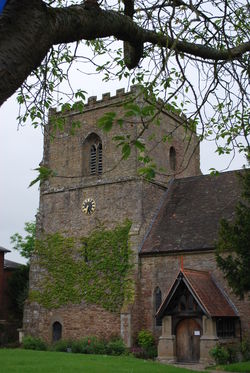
x,y
188,334
56,331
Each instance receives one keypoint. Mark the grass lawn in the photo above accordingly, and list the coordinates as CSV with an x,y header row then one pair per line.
x,y
27,361
237,367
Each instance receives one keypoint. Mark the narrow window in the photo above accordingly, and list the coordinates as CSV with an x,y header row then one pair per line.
x,y
158,301
92,155
93,160
172,158
99,158
56,331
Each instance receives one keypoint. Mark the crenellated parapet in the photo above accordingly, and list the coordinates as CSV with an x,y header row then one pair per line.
x,y
107,99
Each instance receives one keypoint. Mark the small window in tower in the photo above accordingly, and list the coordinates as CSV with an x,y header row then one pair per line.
x,y
158,300
56,331
172,158
92,163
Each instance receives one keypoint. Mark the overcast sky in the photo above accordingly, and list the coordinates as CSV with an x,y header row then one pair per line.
x,y
21,152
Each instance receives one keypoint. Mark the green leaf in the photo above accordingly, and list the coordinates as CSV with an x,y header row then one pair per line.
x,y
126,150
139,145
106,121
147,172
44,174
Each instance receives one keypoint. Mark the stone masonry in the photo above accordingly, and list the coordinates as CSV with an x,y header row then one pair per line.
x,y
120,194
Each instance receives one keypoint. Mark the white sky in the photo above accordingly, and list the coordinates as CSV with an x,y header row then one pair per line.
x,y
21,152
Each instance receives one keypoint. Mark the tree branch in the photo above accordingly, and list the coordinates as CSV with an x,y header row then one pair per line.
x,y
28,30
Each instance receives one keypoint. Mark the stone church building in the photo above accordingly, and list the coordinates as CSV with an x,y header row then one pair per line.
x,y
179,293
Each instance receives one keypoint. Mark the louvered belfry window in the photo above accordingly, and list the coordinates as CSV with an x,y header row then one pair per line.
x,y
96,158
93,160
92,163
100,158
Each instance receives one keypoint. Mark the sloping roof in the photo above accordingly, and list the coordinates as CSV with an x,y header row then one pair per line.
x,y
2,249
211,299
189,217
11,265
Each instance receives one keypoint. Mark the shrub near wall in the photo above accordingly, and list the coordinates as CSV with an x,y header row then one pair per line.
x,y
87,345
146,348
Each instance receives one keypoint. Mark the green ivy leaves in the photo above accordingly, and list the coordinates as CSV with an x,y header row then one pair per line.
x,y
95,269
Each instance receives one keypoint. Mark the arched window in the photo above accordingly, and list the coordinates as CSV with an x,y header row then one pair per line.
x,y
56,331
157,303
92,155
172,158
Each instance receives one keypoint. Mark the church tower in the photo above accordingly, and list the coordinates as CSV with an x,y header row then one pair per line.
x,y
93,187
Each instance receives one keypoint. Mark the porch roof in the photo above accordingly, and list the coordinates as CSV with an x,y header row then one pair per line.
x,y
211,298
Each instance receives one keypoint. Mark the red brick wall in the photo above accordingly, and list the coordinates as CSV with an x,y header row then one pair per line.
x,y
1,283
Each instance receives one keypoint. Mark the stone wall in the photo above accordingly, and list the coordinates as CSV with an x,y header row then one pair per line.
x,y
77,321
61,211
119,194
162,271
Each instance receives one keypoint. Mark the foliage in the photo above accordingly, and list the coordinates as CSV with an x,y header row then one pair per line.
x,y
31,343
87,345
116,346
145,339
95,268
231,352
220,354
25,245
25,361
233,245
62,346
195,56
18,285
147,345
245,349
44,173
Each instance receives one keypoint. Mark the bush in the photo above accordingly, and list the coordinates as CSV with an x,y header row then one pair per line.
x,y
62,346
245,349
100,347
145,339
116,347
220,354
79,347
31,343
147,346
233,352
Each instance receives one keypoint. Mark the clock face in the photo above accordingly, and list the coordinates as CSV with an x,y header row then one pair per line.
x,y
88,206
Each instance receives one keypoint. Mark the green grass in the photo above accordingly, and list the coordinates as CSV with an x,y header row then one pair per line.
x,y
27,361
243,367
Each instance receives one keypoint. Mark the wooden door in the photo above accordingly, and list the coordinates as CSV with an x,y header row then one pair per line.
x,y
188,341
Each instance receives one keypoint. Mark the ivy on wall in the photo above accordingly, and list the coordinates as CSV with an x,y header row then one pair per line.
x,y
96,269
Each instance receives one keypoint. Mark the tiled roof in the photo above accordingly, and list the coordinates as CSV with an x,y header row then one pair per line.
x,y
212,300
189,216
